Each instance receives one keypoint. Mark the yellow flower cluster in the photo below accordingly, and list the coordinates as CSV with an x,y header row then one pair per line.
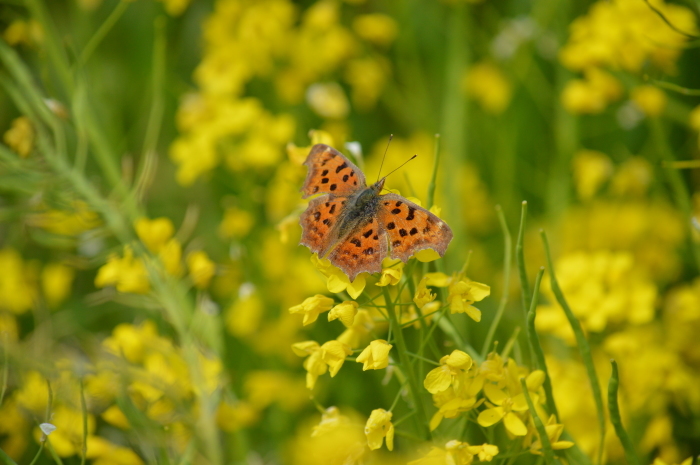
x,y
622,35
300,56
129,273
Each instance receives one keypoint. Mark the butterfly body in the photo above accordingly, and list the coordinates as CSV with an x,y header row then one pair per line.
x,y
355,224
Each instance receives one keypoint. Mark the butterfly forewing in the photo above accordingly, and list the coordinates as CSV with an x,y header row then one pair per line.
x,y
411,228
318,223
362,250
330,172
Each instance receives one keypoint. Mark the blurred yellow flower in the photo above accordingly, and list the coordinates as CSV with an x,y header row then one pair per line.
x,y
423,294
18,289
591,169
130,341
581,97
625,34
67,222
312,307
9,331
103,452
56,282
236,224
23,32
67,439
154,233
377,28
115,417
378,427
328,100
651,100
235,416
344,311
170,256
244,316
487,84
175,7
297,155
20,137
201,268
375,356
367,78
265,387
694,118
127,274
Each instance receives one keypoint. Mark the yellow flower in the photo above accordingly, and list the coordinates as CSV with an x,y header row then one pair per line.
x,y
127,274
463,293
345,311
485,83
67,439
486,452
312,307
24,32
237,223
651,100
17,283
131,341
67,222
201,268
377,28
392,270
503,408
297,155
453,365
582,97
361,326
367,77
56,282
20,137
688,461
337,281
328,100
154,233
114,416
175,7
103,452
170,256
423,294
236,416
591,170
243,317
375,356
694,118
554,431
319,358
378,427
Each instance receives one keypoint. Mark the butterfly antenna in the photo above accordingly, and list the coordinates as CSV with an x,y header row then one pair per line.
x,y
395,169
391,136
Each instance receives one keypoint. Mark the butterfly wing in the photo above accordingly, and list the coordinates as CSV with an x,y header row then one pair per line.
x,y
411,228
330,172
318,221
362,250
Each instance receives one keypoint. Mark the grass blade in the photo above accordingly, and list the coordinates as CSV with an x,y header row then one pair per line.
x,y
583,347
615,418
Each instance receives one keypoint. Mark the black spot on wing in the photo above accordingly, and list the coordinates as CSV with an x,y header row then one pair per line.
x,y
341,168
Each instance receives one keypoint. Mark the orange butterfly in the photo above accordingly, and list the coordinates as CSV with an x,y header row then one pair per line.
x,y
356,224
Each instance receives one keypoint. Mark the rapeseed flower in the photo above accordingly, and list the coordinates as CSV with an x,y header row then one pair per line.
x,y
591,169
355,334
320,358
20,137
345,312
128,273
337,281
18,290
452,368
651,100
378,427
201,268
487,84
375,356
56,282
312,307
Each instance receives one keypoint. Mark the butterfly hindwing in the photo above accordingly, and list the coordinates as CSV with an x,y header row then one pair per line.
x,y
362,250
330,172
319,222
411,228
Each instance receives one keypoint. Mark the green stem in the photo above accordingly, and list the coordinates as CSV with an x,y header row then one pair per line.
x,y
520,258
508,251
83,409
102,31
537,348
679,190
615,418
539,426
405,362
433,177
583,347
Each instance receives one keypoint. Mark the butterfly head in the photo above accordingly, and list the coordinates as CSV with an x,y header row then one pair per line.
x,y
378,186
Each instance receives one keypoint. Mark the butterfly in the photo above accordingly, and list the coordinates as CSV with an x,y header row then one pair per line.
x,y
355,224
